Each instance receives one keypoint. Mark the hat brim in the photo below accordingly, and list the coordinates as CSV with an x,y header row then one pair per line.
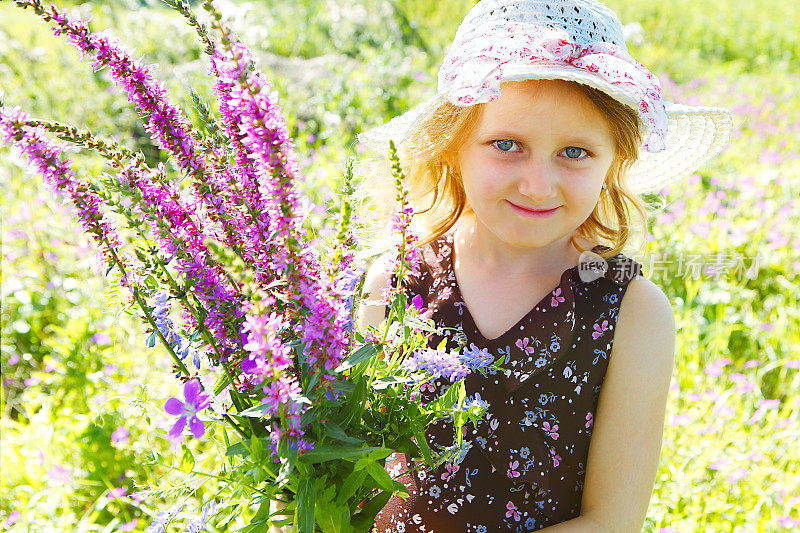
x,y
694,134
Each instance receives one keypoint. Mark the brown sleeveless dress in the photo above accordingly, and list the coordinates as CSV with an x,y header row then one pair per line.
x,y
527,464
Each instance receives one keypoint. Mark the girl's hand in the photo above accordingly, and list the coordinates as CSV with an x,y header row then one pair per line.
x,y
276,506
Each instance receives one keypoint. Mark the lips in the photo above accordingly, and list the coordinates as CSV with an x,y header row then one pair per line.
x,y
532,212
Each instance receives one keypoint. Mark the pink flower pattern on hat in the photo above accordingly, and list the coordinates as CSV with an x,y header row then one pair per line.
x,y
473,69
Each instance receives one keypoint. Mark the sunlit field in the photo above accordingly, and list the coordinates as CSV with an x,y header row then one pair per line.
x,y
83,426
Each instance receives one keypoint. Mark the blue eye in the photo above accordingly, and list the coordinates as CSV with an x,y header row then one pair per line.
x,y
573,152
505,145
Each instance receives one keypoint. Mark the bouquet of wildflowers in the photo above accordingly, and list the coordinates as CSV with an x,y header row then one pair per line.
x,y
265,345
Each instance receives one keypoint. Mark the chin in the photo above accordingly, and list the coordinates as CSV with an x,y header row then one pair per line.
x,y
530,239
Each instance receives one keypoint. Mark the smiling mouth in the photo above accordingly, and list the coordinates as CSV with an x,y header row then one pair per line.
x,y
533,212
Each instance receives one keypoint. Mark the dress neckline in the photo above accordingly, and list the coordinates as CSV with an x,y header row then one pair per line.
x,y
564,284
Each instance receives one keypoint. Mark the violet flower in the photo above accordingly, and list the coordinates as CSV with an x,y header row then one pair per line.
x,y
167,124
451,366
196,525
269,169
43,154
163,519
196,401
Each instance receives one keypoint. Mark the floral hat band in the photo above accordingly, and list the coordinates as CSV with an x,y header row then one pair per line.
x,y
475,66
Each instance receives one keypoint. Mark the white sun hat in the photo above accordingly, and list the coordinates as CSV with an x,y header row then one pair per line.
x,y
573,40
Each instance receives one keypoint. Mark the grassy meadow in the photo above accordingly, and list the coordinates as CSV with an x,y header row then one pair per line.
x,y
83,427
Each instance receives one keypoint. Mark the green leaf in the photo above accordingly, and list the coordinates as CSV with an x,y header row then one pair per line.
x,y
446,401
343,387
382,383
308,417
312,382
322,453
288,458
380,453
380,475
363,521
257,411
354,405
255,449
351,484
364,353
188,456
422,325
333,430
221,383
305,506
422,442
237,449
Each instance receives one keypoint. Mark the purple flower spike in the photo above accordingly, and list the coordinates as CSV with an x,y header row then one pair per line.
x,y
196,401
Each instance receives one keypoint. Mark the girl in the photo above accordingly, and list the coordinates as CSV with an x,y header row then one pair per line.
x,y
542,135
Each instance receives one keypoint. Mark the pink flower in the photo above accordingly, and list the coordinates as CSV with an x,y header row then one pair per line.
x,y
512,511
556,458
451,471
59,474
120,436
522,344
599,329
119,492
787,521
762,410
418,303
723,410
720,464
512,469
551,431
681,420
556,298
737,474
12,519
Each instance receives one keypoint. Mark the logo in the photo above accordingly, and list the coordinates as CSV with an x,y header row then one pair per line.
x,y
591,266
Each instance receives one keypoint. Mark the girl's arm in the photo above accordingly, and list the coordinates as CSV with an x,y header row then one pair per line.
x,y
370,311
629,423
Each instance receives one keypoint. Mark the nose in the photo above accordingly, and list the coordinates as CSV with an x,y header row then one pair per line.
x,y
538,181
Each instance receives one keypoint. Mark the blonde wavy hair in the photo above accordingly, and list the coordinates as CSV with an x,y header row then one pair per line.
x,y
437,193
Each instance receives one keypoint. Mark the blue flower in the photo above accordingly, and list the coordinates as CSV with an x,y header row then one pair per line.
x,y
543,399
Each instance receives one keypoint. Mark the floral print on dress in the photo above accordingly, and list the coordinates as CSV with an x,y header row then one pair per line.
x,y
530,450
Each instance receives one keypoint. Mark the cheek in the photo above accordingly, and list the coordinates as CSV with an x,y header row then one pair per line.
x,y
484,182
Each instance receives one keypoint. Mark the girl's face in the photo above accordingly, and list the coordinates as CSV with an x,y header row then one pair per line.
x,y
542,145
